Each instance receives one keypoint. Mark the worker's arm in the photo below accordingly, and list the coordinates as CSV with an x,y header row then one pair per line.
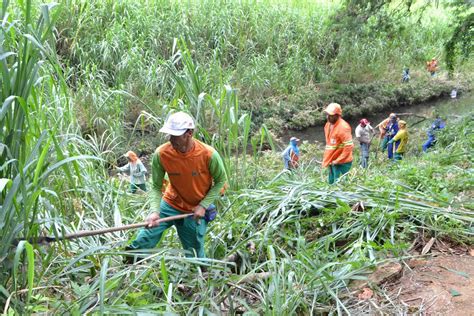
x,y
396,138
125,168
358,134
382,127
371,129
286,156
158,174
286,153
217,170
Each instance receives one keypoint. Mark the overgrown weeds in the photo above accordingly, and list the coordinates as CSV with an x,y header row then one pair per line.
x,y
307,240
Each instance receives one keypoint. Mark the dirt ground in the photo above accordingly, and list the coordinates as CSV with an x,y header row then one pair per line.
x,y
441,285
437,280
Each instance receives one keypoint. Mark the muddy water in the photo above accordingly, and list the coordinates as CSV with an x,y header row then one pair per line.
x,y
447,107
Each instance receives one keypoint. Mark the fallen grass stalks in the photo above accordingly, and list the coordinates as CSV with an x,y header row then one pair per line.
x,y
309,240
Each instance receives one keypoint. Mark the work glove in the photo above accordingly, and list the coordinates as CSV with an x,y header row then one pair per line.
x,y
211,213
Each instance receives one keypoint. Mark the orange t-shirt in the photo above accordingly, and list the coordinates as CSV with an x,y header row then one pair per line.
x,y
432,65
339,143
294,159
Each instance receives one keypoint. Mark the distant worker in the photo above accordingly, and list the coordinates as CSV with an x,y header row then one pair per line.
x,y
406,75
432,66
364,133
454,94
339,145
291,154
437,125
196,178
382,130
402,138
136,170
388,128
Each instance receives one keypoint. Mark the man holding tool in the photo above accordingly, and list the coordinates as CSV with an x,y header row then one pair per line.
x,y
338,151
364,133
196,176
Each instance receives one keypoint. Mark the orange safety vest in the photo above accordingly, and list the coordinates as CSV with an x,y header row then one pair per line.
x,y
432,65
339,143
294,159
222,191
383,126
184,191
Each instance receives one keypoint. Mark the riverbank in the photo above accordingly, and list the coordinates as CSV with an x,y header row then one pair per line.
x,y
444,105
304,109
301,114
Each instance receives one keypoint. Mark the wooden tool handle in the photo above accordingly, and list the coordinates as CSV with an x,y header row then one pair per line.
x,y
86,233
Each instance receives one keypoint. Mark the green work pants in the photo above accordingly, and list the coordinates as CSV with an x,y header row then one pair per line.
x,y
398,156
335,171
384,143
134,187
191,234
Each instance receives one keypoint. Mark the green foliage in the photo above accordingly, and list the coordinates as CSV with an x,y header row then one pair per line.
x,y
283,59
458,48
309,240
220,121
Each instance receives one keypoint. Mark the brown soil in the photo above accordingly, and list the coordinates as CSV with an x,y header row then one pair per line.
x,y
443,285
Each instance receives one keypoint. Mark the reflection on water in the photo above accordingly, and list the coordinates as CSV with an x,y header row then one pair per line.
x,y
446,107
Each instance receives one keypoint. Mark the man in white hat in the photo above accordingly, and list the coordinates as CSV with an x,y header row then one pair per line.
x,y
196,176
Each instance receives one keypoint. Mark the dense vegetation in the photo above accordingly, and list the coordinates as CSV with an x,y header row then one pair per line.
x,y
286,60
82,80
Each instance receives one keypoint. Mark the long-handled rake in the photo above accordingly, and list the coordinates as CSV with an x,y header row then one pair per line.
x,y
86,233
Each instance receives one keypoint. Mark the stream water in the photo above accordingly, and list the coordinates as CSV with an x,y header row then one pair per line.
x,y
447,107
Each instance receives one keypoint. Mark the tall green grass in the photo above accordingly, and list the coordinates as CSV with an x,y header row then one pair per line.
x,y
47,187
309,243
279,56
221,122
28,150
35,112
258,45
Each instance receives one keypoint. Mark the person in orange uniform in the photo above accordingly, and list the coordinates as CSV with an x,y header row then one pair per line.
x,y
339,145
432,66
383,127
196,177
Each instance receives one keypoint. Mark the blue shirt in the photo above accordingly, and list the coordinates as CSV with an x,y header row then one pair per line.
x,y
437,125
392,130
137,172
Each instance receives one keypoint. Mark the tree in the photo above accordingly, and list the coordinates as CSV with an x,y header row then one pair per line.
x,y
460,42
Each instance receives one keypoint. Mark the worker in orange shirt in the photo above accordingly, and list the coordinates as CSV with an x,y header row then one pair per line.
x,y
383,128
432,66
196,178
338,153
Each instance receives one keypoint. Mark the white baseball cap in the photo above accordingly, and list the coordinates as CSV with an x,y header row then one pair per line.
x,y
177,124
